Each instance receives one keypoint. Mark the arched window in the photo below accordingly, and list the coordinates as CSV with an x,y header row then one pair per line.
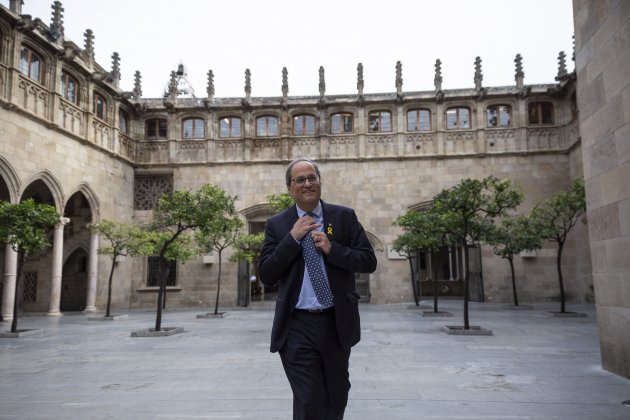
x,y
540,113
499,115
100,107
304,125
31,64
156,129
267,126
69,88
457,118
380,122
418,120
341,123
123,122
193,128
230,127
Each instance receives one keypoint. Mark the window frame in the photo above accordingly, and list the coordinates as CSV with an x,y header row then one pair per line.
x,y
27,70
195,134
457,110
379,117
266,132
343,117
65,80
304,117
100,110
540,113
418,112
230,127
499,113
155,122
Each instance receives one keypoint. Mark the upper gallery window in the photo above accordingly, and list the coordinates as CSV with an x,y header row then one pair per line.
x,y
304,125
341,123
31,64
156,129
458,118
267,126
69,88
100,107
499,115
193,128
540,113
418,120
380,122
230,127
123,122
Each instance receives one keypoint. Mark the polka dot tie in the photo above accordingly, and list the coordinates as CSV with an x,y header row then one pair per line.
x,y
315,271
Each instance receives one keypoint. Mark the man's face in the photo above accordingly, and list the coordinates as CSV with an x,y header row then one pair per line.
x,y
307,194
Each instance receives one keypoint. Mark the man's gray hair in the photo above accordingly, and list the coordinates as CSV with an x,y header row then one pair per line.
x,y
300,159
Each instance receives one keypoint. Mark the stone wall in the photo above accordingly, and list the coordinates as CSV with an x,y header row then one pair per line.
x,y
602,39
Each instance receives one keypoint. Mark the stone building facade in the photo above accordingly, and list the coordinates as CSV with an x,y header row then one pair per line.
x,y
72,138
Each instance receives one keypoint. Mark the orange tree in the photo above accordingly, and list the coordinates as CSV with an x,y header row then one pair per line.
x,y
24,227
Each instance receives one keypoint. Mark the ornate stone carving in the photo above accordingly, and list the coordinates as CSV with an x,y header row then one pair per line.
x,y
149,188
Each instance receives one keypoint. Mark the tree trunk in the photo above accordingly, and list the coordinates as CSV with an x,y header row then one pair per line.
x,y
511,260
109,287
17,294
466,287
161,292
216,303
413,281
559,262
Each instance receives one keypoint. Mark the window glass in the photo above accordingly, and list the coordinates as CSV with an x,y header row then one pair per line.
x,y
230,127
341,123
30,64
267,126
457,118
418,119
303,125
156,128
69,87
123,122
193,128
498,115
100,106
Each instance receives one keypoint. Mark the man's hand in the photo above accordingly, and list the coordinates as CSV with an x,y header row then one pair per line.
x,y
302,226
321,241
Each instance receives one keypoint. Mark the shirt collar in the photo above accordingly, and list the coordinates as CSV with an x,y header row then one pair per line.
x,y
317,211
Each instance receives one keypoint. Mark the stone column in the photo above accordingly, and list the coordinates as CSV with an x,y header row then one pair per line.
x,y
92,274
57,267
450,263
8,286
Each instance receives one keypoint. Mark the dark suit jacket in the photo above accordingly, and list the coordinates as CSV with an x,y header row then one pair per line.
x,y
281,261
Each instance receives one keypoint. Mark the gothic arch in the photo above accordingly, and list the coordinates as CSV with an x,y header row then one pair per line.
x,y
80,246
53,185
257,211
377,244
87,191
7,173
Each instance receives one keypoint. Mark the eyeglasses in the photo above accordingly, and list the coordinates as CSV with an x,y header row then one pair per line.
x,y
301,180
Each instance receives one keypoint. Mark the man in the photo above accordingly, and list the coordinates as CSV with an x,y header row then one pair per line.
x,y
317,313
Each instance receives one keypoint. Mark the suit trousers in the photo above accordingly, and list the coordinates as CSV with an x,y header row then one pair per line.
x,y
316,366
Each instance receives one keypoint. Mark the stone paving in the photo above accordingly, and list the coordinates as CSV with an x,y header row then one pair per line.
x,y
532,367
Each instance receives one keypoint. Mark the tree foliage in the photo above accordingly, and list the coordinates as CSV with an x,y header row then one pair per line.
x,y
466,213
221,231
556,217
175,214
24,227
280,202
515,235
124,240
